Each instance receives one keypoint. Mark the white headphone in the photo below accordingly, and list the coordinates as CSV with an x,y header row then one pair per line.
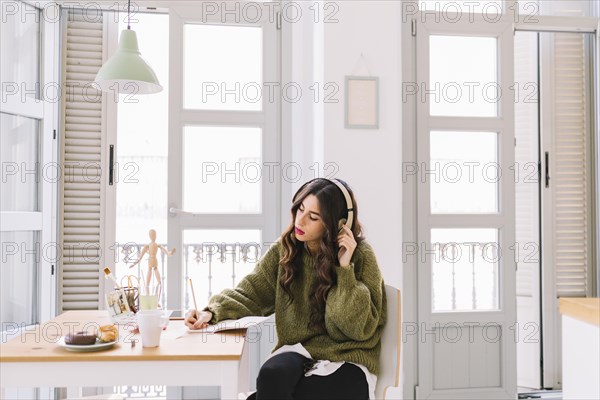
x,y
349,205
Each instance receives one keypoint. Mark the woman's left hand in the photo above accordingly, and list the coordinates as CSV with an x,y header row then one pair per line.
x,y
347,244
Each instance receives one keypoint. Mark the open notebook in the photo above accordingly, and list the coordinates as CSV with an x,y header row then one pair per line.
x,y
230,324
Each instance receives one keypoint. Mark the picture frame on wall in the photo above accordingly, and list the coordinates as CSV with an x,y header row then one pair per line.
x,y
361,102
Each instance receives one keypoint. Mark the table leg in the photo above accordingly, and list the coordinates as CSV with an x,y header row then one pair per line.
x,y
229,380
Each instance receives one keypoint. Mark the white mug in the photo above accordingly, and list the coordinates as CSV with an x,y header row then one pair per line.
x,y
151,324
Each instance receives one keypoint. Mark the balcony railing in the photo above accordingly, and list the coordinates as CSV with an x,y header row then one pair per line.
x,y
464,276
212,267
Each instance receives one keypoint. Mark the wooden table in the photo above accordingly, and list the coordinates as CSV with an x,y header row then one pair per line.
x,y
183,359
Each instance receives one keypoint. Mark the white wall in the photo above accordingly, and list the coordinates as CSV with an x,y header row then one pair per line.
x,y
369,159
302,118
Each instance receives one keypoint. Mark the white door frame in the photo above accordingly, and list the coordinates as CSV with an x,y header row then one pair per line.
x,y
551,343
504,220
410,179
45,111
527,198
268,119
415,353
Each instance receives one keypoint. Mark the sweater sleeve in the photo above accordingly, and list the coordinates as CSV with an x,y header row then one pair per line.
x,y
254,295
354,305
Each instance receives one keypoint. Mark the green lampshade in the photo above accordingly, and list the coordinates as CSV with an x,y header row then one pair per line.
x,y
126,68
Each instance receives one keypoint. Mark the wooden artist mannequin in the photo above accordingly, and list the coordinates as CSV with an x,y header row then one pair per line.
x,y
152,249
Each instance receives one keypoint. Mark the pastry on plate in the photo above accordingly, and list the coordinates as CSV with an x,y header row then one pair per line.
x,y
108,333
80,338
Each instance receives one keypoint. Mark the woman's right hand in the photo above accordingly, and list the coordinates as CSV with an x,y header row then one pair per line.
x,y
195,319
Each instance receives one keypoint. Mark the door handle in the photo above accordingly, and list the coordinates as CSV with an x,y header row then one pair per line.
x,y
547,168
111,163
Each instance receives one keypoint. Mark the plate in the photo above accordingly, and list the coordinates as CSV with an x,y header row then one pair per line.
x,y
87,347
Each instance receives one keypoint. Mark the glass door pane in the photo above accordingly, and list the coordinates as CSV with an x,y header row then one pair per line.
x,y
213,79
19,278
465,172
217,259
463,76
465,269
142,150
222,169
20,48
19,157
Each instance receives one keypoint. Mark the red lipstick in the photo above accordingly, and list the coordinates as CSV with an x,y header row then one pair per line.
x,y
299,232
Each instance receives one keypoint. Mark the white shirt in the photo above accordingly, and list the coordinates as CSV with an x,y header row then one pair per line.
x,y
326,367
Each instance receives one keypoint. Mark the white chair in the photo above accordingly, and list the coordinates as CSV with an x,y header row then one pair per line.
x,y
391,339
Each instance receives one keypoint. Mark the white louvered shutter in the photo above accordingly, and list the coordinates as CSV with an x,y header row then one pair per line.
x,y
81,192
570,166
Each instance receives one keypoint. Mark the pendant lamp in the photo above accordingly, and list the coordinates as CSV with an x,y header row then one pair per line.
x,y
126,71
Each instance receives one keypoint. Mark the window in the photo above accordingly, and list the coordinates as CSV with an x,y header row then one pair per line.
x,y
191,160
141,153
235,88
463,75
223,145
19,155
29,169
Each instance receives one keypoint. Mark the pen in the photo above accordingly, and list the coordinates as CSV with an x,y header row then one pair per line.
x,y
193,296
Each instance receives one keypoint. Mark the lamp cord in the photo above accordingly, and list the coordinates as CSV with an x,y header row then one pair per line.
x,y
129,14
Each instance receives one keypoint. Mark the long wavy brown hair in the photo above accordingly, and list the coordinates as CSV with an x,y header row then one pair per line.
x,y
332,208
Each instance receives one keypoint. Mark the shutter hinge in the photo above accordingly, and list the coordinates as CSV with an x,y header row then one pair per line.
x,y
413,27
416,391
278,19
52,270
54,134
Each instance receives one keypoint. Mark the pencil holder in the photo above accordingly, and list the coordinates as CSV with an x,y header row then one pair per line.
x,y
132,294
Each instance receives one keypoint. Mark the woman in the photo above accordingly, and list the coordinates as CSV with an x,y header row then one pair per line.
x,y
322,281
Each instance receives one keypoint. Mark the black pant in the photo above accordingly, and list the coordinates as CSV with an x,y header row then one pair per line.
x,y
282,378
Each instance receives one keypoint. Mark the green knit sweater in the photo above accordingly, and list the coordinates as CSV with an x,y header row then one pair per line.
x,y
355,310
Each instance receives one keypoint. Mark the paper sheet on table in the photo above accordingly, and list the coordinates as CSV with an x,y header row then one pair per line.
x,y
230,324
